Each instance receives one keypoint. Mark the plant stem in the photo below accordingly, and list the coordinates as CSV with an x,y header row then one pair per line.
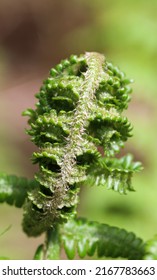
x,y
52,244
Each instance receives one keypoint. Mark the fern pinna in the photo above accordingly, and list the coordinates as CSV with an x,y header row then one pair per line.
x,y
79,114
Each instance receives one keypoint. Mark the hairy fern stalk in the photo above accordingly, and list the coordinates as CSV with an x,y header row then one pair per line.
x,y
79,109
78,114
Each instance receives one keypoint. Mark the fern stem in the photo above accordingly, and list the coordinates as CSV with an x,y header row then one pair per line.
x,y
75,140
52,244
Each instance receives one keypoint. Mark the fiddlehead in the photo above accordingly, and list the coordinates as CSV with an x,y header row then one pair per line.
x,y
79,109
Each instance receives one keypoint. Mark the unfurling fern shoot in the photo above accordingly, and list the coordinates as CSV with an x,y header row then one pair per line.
x,y
79,109
79,113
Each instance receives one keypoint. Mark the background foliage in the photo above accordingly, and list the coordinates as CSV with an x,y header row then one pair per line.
x,y
39,34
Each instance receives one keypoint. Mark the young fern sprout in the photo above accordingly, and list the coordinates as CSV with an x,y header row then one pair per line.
x,y
79,111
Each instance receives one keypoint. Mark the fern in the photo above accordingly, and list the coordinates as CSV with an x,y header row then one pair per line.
x,y
78,114
79,108
115,173
151,249
90,237
13,190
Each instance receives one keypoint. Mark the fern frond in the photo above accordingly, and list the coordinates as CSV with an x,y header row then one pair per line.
x,y
79,108
13,189
88,238
151,249
114,173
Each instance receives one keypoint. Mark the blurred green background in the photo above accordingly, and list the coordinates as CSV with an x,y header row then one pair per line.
x,y
34,36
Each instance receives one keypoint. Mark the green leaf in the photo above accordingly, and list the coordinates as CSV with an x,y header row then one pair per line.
x,y
82,246
151,249
114,173
13,189
69,246
91,237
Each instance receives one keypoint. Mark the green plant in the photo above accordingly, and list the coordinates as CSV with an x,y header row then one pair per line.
x,y
79,109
